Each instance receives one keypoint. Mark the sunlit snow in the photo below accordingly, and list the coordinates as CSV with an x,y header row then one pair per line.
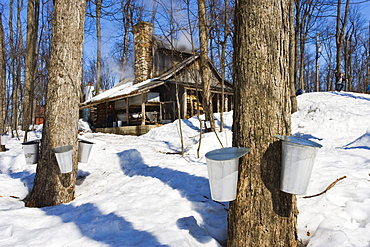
x,y
135,192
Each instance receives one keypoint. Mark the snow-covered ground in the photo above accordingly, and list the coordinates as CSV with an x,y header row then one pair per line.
x,y
135,192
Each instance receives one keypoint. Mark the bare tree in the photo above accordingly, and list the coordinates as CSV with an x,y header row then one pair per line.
x,y
354,51
2,81
12,56
307,14
293,61
328,54
127,12
43,51
30,63
261,215
340,30
51,187
18,73
348,51
16,55
204,63
98,6
107,74
221,35
223,61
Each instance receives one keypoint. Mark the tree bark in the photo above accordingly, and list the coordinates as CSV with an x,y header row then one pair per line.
x,y
127,10
340,29
18,72
204,67
98,6
292,60
51,187
223,65
12,59
30,63
261,215
2,81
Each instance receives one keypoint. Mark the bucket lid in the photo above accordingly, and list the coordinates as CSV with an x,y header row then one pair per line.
x,y
299,141
227,153
62,149
31,142
84,141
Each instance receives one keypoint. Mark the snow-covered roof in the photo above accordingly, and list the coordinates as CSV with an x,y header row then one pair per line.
x,y
123,90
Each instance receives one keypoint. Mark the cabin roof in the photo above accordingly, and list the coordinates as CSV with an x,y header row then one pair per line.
x,y
124,90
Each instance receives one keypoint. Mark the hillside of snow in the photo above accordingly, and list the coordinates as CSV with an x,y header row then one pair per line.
x,y
135,191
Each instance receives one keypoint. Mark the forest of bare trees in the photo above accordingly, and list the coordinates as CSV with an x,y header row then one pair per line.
x,y
329,36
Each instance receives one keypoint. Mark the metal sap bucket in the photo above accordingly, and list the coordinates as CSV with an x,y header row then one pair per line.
x,y
222,166
298,156
31,151
84,149
64,157
4,139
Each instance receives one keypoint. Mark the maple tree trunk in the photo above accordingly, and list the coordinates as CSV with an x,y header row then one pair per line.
x,y
204,67
30,63
2,82
98,6
51,187
261,215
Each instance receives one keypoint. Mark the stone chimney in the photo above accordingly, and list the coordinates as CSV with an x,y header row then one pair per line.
x,y
143,45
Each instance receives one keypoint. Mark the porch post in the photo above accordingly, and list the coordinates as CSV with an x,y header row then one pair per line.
x,y
143,99
184,104
127,111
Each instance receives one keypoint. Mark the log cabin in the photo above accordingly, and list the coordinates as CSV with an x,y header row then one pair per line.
x,y
167,85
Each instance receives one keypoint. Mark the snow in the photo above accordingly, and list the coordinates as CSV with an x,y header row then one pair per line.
x,y
120,89
136,191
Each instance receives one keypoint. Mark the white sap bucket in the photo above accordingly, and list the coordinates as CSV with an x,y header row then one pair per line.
x,y
64,157
31,151
298,156
207,124
222,165
119,123
84,149
4,139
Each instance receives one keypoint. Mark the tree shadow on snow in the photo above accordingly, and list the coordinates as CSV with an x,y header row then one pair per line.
x,y
193,188
351,95
190,224
26,178
307,136
192,126
363,142
132,164
109,229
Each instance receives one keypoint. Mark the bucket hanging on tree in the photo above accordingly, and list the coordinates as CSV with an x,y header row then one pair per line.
x,y
222,166
84,149
4,139
31,151
64,157
298,157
